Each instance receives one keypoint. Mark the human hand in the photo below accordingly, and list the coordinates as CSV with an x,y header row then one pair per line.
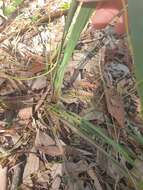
x,y
106,10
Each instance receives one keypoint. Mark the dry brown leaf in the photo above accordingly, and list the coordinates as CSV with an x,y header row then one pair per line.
x,y
113,100
72,151
57,170
75,184
56,174
39,83
113,170
46,144
69,169
115,105
93,114
56,183
16,177
93,176
3,178
74,169
42,139
50,150
43,177
109,166
31,167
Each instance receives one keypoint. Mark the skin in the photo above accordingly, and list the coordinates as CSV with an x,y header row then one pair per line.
x,y
105,11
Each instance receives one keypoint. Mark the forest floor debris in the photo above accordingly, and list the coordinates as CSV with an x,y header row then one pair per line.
x,y
39,149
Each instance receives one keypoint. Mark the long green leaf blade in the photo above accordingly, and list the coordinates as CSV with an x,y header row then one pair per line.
x,y
136,27
84,126
81,20
71,12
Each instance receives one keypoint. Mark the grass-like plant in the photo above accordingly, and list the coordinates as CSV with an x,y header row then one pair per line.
x,y
76,21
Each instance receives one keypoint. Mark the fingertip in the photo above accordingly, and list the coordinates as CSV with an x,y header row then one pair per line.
x,y
102,17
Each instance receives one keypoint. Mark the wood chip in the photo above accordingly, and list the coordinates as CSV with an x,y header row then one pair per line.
x,y
25,113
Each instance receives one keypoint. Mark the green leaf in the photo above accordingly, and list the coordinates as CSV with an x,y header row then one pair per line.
x,y
9,10
12,7
136,27
65,6
81,20
140,185
34,18
71,13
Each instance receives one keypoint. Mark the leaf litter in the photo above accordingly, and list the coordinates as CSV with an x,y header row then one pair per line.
x,y
39,150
